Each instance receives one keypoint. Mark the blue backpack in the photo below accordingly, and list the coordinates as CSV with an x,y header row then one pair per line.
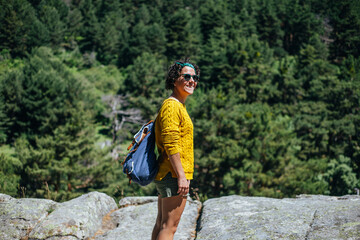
x,y
141,164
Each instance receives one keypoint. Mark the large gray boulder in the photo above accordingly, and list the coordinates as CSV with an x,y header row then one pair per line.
x,y
308,217
136,218
96,216
79,218
19,216
131,201
5,198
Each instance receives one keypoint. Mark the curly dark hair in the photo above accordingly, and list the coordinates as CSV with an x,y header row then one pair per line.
x,y
175,71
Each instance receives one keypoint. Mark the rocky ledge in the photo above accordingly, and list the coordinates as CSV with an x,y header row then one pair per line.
x,y
97,216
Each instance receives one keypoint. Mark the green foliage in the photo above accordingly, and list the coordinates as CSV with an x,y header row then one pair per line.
x,y
16,19
10,93
212,16
299,24
269,25
145,82
340,176
248,149
147,35
24,27
345,19
183,37
39,96
111,38
3,122
50,17
88,25
10,168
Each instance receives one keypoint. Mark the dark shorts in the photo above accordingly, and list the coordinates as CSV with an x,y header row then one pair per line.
x,y
167,187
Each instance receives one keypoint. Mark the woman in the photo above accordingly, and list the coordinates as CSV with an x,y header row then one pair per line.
x,y
174,139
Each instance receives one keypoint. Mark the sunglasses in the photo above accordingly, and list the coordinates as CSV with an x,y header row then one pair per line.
x,y
187,77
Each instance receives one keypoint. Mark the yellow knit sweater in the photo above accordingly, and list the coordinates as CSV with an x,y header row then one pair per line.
x,y
174,134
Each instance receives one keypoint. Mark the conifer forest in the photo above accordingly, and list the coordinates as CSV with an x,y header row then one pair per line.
x,y
276,112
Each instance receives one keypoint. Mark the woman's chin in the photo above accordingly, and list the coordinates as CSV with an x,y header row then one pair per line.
x,y
189,90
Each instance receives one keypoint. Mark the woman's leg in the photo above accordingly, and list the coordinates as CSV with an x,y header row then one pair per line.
x,y
157,225
172,209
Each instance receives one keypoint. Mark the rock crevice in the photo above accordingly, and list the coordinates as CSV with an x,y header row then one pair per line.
x,y
311,226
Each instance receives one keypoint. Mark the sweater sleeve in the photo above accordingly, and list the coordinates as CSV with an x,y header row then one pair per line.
x,y
170,122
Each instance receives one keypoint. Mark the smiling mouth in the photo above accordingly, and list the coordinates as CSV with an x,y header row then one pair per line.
x,y
189,89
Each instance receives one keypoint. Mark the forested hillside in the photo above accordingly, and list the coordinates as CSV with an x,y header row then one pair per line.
x,y
276,112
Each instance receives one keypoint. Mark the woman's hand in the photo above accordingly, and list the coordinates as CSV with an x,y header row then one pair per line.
x,y
183,183
183,186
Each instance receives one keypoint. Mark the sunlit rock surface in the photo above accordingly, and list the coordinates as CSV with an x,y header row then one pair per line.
x,y
96,216
137,219
19,216
305,217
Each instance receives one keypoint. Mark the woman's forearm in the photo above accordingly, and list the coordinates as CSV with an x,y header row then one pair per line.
x,y
183,183
177,166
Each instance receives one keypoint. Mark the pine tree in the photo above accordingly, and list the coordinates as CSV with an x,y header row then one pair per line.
x,y
289,88
49,92
183,35
214,60
299,24
16,19
345,21
269,25
146,39
247,149
341,177
57,166
74,24
11,91
3,118
90,25
51,19
145,81
111,39
10,168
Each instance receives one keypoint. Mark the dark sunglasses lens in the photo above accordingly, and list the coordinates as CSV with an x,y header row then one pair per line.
x,y
187,77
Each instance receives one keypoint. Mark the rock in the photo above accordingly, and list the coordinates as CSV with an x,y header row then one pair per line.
x,y
96,216
79,218
5,198
308,217
187,226
19,216
137,221
128,201
338,219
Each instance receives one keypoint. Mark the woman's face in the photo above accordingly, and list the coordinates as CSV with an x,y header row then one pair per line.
x,y
185,87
